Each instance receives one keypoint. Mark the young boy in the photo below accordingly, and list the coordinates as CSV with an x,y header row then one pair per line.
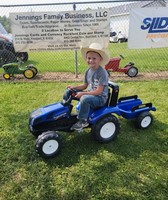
x,y
95,81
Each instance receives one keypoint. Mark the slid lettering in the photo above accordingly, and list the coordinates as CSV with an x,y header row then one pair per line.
x,y
155,25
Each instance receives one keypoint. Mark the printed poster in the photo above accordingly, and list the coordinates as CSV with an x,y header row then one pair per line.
x,y
148,28
50,31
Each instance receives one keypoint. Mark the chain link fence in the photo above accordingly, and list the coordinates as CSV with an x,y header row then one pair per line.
x,y
146,60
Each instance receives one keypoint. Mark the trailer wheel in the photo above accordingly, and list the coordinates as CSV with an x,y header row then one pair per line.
x,y
144,120
28,73
48,144
106,129
132,71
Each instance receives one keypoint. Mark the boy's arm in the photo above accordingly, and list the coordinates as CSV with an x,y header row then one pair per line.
x,y
79,87
93,92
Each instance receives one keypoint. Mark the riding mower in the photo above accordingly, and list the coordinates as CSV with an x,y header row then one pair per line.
x,y
47,122
10,69
113,66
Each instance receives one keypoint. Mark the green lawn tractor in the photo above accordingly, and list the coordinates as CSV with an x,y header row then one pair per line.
x,y
10,69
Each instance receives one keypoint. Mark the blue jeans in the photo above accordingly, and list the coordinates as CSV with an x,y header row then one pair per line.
x,y
87,102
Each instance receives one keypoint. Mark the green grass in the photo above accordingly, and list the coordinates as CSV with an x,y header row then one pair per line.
x,y
134,166
146,60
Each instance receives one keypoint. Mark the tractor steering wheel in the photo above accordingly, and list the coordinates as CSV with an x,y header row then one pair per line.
x,y
69,96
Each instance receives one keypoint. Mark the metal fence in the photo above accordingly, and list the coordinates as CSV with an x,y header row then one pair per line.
x,y
146,60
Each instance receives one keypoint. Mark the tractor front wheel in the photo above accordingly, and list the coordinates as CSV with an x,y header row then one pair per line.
x,y
48,144
6,76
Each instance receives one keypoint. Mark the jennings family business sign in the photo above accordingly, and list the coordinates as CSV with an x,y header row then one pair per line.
x,y
148,28
50,31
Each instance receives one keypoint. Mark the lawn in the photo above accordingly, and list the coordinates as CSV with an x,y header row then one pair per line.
x,y
134,166
146,60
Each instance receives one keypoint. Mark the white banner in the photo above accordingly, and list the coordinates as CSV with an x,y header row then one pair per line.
x,y
50,31
148,28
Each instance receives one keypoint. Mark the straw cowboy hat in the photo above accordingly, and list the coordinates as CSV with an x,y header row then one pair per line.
x,y
96,47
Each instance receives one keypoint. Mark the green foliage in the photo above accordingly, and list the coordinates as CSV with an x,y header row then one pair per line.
x,y
134,166
6,23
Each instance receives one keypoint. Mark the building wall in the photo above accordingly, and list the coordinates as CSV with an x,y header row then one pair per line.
x,y
120,23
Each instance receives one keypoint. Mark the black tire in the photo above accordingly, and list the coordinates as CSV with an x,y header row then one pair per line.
x,y
144,120
119,40
23,56
132,71
48,144
28,73
7,57
106,129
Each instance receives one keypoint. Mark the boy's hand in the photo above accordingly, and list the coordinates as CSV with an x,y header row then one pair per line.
x,y
79,94
69,86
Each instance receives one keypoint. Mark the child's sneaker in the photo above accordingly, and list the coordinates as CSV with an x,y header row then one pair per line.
x,y
80,125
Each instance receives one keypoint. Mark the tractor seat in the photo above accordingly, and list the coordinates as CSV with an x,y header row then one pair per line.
x,y
113,92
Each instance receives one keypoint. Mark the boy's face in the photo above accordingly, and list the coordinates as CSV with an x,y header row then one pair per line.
x,y
93,59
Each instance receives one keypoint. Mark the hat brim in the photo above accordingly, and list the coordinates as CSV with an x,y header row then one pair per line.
x,y
104,54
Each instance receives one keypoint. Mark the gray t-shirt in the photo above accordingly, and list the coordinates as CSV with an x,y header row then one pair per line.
x,y
95,78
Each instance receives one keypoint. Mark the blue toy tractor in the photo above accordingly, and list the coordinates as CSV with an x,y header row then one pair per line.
x,y
47,122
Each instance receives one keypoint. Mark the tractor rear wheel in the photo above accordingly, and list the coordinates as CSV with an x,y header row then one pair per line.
x,y
132,71
28,73
106,129
33,68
